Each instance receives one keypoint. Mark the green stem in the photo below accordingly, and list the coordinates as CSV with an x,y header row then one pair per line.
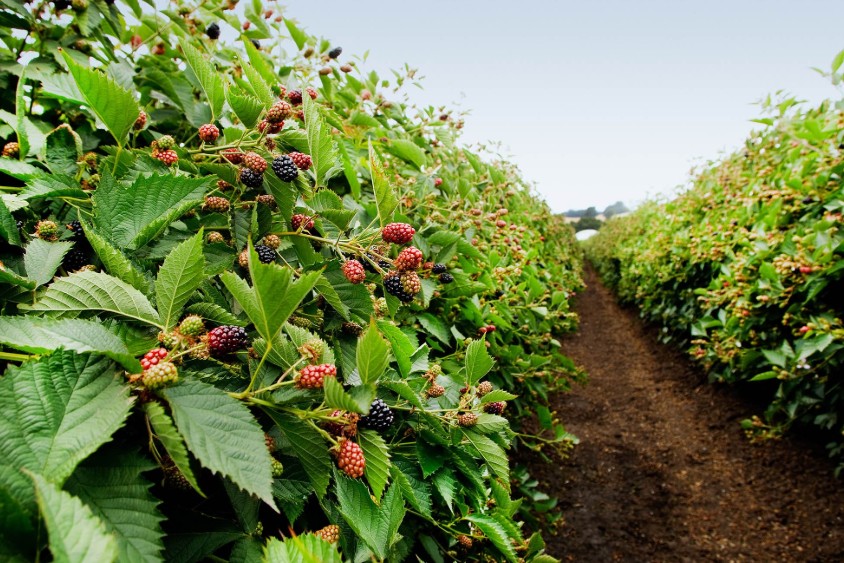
x,y
13,357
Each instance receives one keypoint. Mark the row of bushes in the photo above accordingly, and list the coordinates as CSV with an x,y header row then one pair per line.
x,y
744,268
255,305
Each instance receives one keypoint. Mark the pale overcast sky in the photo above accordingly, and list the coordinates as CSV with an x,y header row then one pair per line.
x,y
596,100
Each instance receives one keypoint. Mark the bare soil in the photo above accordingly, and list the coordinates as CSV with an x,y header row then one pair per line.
x,y
664,472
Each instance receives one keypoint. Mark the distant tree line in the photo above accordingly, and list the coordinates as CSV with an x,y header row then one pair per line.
x,y
588,218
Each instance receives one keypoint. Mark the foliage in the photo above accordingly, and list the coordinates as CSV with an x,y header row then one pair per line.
x,y
745,267
159,346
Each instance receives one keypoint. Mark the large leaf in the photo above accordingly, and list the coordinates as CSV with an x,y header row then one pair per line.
x,y
247,107
111,485
306,548
43,258
130,216
63,150
181,274
21,114
492,453
386,199
95,291
223,435
407,151
373,355
209,79
320,141
75,534
375,525
8,226
58,410
377,456
113,105
478,361
42,336
309,446
496,534
115,262
165,431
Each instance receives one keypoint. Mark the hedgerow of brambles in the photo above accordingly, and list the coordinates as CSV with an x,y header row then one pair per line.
x,y
255,305
745,267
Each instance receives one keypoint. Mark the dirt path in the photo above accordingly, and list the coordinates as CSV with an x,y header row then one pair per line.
x,y
663,471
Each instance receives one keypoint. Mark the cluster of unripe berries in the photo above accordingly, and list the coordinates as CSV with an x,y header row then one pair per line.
x,y
313,377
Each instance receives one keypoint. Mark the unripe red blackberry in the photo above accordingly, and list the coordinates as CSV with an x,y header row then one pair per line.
x,y
215,237
410,282
223,186
153,357
302,161
465,542
467,419
11,150
312,377
265,254
380,416
255,161
141,121
277,468
408,259
285,168
209,133
330,533
278,112
216,204
250,178
213,31
266,199
438,269
398,233
393,286
192,325
484,387
265,126
159,375
342,427
435,391
495,408
438,182
335,52
272,241
166,142
354,272
311,92
227,339
301,222
168,157
445,277
233,155
350,459
47,230
295,97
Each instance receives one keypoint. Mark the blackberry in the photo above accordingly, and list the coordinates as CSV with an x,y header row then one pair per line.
x,y
330,533
168,157
273,241
152,357
11,150
75,228
411,283
47,230
393,285
265,254
354,272
380,416
495,408
408,259
192,325
278,112
302,161
216,204
233,155
255,161
250,178
213,31
311,92
484,387
435,390
166,142
313,377
75,260
465,542
467,419
350,458
498,294
175,479
335,52
352,328
285,168
215,237
140,121
399,233
277,468
227,339
295,97
266,199
445,277
303,222
208,133
439,269
159,375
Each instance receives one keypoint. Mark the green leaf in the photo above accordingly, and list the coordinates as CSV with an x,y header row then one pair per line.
x,y
258,62
223,435
8,226
478,361
130,216
43,258
113,105
306,548
837,61
377,456
497,395
209,79
18,169
75,533
115,262
353,296
496,534
324,288
337,398
95,291
415,491
403,348
375,525
299,37
42,336
111,485
435,326
320,141
181,274
309,447
490,423
386,199
63,150
372,355
492,453
58,410
247,107
165,431
21,114
407,151
262,90
53,186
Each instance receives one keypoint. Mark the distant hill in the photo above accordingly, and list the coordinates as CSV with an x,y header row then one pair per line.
x,y
616,208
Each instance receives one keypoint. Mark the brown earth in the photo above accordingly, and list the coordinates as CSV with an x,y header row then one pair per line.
x,y
664,472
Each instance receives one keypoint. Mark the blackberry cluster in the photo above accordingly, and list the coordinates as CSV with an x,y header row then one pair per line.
x,y
438,269
265,254
227,339
251,179
330,533
398,233
216,204
350,459
445,277
380,416
213,31
393,285
335,52
285,168
77,233
75,260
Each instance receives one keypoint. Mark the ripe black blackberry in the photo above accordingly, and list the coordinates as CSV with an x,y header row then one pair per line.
x,y
393,285
335,52
285,168
213,31
251,179
227,339
77,234
380,416
439,269
265,254
445,277
75,259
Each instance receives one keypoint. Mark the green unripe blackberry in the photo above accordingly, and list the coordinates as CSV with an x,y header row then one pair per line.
x,y
159,375
166,142
47,230
192,325
278,468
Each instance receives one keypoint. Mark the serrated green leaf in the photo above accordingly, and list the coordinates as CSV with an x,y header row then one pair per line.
x,y
53,186
386,199
336,397
490,423
309,447
446,484
375,525
63,150
43,258
8,226
324,288
113,105
111,485
181,274
75,534
59,409
320,141
95,291
215,313
306,548
353,296
497,395
259,62
496,534
377,456
407,151
21,114
130,216
18,169
115,262
247,107
223,435
164,429
259,86
478,361
435,326
415,491
42,336
372,356
492,453
299,37
208,77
